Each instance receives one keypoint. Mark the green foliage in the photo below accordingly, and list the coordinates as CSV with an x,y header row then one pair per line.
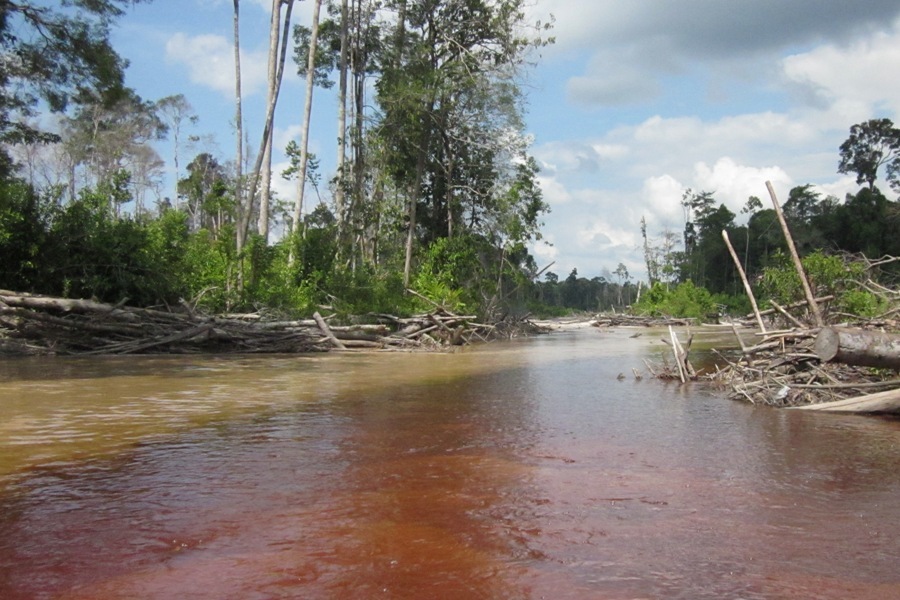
x,y
862,303
366,291
445,269
827,274
22,233
734,304
686,300
871,145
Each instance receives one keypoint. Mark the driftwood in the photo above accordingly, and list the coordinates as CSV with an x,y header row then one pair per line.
x,y
622,320
33,324
858,347
880,402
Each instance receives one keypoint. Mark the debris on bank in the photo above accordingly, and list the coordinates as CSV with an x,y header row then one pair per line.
x,y
815,358
32,324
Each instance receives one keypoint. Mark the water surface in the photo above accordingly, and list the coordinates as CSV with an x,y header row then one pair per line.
x,y
520,470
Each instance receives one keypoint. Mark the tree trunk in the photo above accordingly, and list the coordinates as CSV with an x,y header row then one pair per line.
x,y
342,118
266,173
881,402
859,347
307,113
238,123
810,297
269,122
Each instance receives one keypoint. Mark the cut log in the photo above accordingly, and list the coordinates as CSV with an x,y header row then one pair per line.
x,y
882,402
858,347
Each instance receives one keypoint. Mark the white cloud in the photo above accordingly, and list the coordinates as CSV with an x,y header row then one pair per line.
x,y
855,77
553,191
662,197
210,62
733,184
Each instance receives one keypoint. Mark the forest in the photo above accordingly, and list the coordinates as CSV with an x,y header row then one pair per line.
x,y
434,191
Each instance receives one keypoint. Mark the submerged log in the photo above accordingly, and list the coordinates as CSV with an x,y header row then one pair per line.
x,y
858,347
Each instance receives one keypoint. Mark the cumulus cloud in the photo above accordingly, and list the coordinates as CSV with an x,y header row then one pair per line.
x,y
854,75
209,60
554,192
732,184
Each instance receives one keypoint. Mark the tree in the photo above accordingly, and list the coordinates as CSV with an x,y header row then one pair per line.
x,y
871,145
307,112
56,55
261,177
448,86
173,111
205,194
104,138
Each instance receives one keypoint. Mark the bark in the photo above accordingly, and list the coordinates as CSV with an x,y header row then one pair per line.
x,y
266,173
858,347
342,116
238,123
244,225
307,113
810,297
880,402
323,326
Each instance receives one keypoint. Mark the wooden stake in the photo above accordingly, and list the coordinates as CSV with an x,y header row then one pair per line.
x,y
743,275
817,314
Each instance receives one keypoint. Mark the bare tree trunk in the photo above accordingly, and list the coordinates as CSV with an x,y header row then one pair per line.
x,y
810,297
238,123
307,113
267,128
747,288
266,174
342,116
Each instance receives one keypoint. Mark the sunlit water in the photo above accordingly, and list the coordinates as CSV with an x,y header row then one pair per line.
x,y
520,470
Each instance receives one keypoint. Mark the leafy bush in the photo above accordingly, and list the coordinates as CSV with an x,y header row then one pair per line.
x,y
447,272
687,301
862,303
828,274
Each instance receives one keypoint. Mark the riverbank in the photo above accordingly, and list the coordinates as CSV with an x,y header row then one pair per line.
x,y
32,324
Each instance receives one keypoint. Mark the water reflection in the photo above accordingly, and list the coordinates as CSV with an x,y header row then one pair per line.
x,y
525,470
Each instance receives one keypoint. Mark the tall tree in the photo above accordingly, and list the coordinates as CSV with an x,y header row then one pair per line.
x,y
104,138
265,184
55,54
174,111
239,130
871,145
307,113
445,64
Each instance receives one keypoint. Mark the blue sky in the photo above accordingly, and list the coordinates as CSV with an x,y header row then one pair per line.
x,y
636,102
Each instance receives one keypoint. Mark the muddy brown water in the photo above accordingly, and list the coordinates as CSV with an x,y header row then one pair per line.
x,y
515,470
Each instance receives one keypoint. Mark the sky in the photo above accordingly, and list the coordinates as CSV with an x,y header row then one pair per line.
x,y
636,102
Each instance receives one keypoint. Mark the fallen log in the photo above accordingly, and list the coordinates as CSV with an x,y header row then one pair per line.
x,y
325,330
881,402
858,347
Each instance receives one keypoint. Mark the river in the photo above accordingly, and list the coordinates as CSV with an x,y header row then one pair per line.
x,y
526,469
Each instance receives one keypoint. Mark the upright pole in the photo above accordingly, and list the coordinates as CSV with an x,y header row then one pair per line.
x,y
743,275
810,298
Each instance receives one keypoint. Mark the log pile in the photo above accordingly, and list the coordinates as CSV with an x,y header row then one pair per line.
x,y
814,364
783,368
40,325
